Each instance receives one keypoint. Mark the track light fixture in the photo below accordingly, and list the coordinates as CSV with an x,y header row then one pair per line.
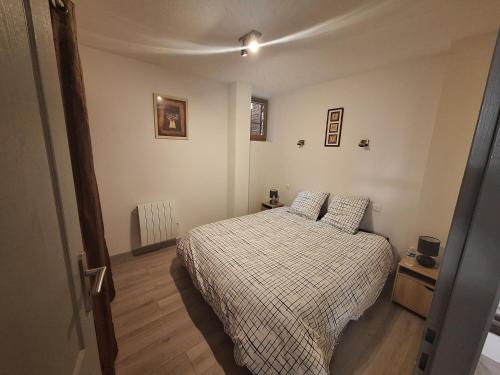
x,y
250,42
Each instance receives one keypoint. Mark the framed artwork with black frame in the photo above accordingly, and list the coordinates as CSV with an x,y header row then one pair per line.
x,y
170,116
333,130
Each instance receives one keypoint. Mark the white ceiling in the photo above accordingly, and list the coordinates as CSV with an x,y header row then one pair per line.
x,y
309,40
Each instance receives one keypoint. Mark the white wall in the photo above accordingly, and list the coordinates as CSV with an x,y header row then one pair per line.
x,y
240,95
466,73
394,107
132,166
397,108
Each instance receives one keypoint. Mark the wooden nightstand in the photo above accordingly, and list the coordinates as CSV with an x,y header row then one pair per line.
x,y
414,287
268,206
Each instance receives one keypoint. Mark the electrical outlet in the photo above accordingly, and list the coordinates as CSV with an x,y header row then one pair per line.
x,y
376,207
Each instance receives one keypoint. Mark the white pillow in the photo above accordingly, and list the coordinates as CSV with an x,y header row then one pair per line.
x,y
308,204
345,213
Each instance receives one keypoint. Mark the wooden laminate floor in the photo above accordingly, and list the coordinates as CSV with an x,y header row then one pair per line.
x,y
163,326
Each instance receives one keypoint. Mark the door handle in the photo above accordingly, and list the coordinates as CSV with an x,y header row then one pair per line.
x,y
98,274
86,274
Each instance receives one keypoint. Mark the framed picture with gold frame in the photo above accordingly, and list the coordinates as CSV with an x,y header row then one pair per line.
x,y
170,116
333,131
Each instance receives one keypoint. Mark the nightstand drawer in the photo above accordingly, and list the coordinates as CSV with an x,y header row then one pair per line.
x,y
413,294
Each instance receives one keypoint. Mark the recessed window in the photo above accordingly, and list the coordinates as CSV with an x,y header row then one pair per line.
x,y
258,119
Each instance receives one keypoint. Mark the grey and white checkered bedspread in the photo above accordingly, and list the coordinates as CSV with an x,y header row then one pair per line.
x,y
285,287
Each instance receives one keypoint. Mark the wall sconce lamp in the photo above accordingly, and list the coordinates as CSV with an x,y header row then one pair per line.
x,y
301,143
364,143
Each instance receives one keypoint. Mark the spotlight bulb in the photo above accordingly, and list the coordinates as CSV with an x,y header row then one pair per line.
x,y
253,46
250,42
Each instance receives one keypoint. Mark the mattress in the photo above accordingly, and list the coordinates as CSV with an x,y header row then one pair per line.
x,y
284,286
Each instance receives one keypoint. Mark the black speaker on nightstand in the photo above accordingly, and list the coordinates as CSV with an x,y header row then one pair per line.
x,y
428,247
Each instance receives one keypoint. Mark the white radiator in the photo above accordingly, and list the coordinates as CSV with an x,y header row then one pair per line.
x,y
157,222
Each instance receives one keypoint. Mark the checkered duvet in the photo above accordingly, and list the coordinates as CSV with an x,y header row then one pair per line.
x,y
284,286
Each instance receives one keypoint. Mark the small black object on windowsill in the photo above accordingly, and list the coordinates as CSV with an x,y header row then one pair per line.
x,y
428,247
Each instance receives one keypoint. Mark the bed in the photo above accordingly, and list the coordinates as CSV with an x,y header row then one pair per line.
x,y
284,286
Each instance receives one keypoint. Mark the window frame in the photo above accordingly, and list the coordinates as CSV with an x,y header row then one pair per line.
x,y
259,137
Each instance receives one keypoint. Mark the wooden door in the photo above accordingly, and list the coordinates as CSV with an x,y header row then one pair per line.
x,y
44,328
